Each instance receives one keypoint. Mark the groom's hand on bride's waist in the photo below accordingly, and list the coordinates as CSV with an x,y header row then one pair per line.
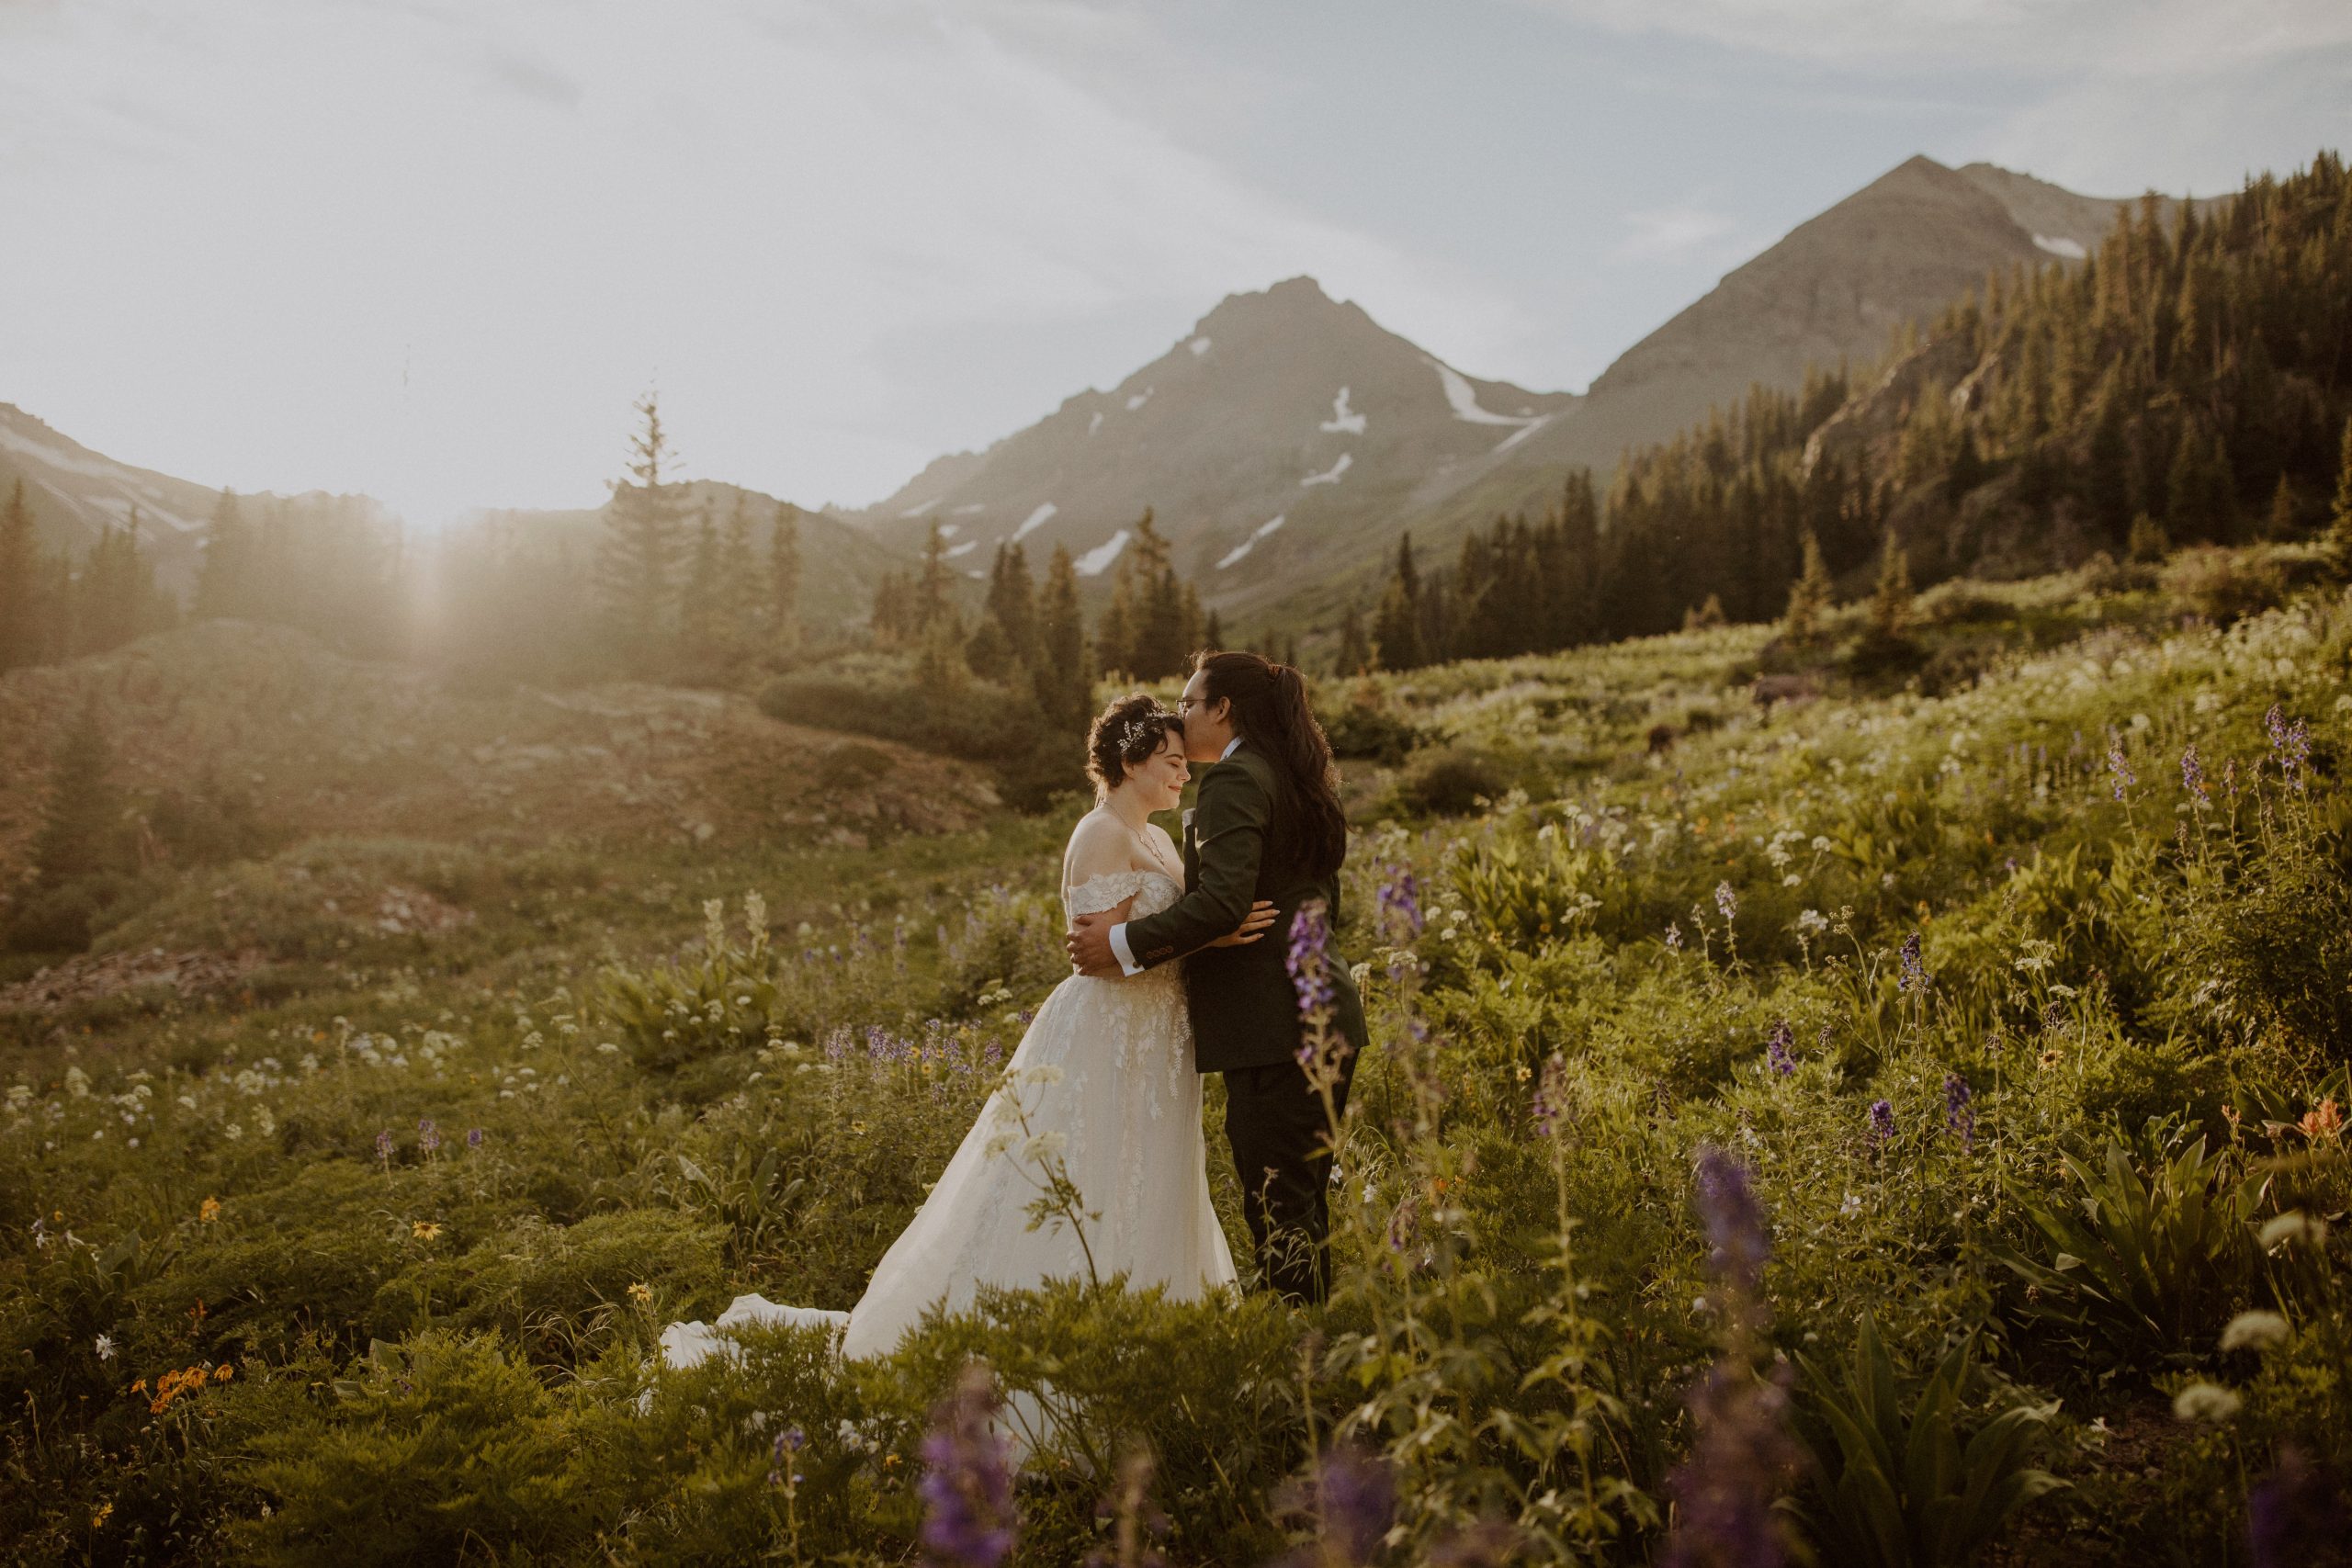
x,y
1089,940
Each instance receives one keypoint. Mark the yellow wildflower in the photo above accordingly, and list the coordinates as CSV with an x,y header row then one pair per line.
x,y
425,1229
642,1293
1525,1072
857,1129
99,1515
223,1372
208,1211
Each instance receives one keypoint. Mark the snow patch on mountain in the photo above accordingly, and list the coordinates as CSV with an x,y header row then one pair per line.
x,y
949,530
1094,563
1095,423
1331,475
919,511
965,548
1140,399
1199,347
1033,522
1522,433
1342,422
1246,546
2071,249
1463,398
969,510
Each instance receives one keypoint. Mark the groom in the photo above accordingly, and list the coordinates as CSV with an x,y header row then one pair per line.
x,y
1267,826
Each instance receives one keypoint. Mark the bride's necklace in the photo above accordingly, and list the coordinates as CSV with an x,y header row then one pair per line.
x,y
1144,838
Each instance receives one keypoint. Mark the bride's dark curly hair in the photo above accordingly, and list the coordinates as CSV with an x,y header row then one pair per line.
x,y
1125,735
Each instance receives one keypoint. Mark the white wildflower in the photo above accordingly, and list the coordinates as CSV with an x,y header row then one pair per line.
x,y
2254,1330
2205,1402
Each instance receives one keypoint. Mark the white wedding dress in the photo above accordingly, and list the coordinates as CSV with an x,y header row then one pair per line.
x,y
1105,1073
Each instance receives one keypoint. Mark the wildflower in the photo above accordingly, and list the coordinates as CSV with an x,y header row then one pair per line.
x,y
1725,1491
100,1515
1043,1146
473,1137
1727,901
1777,1049
1308,958
2323,1121
1674,936
2205,1402
2293,1517
1882,1122
1737,1243
1356,1497
1811,922
2125,776
425,1229
105,1348
642,1293
223,1372
857,1129
1400,905
1914,978
208,1211
1404,1225
2192,774
2289,743
2254,1330
1551,1095
428,1136
1959,1112
966,1487
384,1148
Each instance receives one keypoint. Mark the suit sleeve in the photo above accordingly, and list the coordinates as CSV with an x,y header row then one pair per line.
x,y
1229,837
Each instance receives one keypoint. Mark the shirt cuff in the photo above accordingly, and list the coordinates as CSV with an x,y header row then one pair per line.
x,y
1119,950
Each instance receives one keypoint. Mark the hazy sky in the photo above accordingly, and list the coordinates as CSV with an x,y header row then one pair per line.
x,y
433,249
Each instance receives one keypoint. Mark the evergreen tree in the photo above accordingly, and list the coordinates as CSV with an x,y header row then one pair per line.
x,y
2199,499
1397,625
738,578
2148,543
1012,604
81,823
1891,603
1065,690
1213,631
1810,597
2339,525
643,540
224,577
783,579
1355,654
21,604
700,610
933,603
2285,510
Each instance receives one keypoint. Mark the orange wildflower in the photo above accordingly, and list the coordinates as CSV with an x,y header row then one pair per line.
x,y
2326,1122
208,1211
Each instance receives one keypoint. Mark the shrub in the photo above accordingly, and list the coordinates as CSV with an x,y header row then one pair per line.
x,y
1451,782
2223,585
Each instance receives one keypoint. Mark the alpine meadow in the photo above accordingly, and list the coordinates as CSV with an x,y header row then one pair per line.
x,y
1851,893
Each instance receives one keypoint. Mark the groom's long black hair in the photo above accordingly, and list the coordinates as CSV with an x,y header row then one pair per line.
x,y
1271,715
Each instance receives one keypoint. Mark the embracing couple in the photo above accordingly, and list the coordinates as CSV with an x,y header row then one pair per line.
x,y
1173,979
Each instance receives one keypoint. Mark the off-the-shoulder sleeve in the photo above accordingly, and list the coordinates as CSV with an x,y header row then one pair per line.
x,y
1107,890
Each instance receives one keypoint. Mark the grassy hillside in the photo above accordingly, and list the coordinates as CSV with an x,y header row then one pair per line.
x,y
1755,1089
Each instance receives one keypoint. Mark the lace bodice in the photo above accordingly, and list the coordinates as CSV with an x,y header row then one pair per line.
x,y
1153,891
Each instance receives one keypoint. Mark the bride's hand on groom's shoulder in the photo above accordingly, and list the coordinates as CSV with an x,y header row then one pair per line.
x,y
1261,915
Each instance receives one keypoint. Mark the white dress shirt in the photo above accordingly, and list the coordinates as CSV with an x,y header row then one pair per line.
x,y
1119,932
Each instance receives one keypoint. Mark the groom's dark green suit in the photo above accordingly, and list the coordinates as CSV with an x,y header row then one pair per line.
x,y
1245,1011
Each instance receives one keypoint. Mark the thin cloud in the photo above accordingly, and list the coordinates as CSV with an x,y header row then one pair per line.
x,y
1674,235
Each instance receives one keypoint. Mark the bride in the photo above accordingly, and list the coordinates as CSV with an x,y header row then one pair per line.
x,y
1098,1113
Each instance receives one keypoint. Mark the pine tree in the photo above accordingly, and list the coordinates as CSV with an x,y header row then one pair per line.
x,y
1213,631
1396,625
1810,597
1065,690
783,579
1355,654
1012,604
738,578
2286,510
1891,604
934,603
2340,526
699,608
21,604
2198,503
224,579
80,825
643,539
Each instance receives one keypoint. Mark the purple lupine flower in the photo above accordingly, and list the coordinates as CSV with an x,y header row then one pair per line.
x,y
1882,1122
1358,1493
1674,936
1737,1243
2289,743
967,1488
2117,765
384,1146
2192,772
1550,1101
473,1137
1400,905
428,1136
1404,1225
1725,1491
2293,1517
1914,969
837,1044
1779,1048
1959,1110
1308,958
1823,1039
787,1443
1727,901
